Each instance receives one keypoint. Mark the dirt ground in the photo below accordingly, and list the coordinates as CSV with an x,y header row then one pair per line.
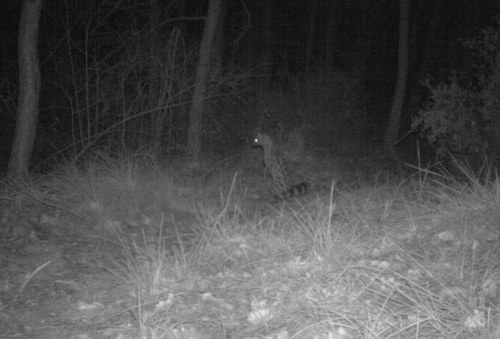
x,y
54,281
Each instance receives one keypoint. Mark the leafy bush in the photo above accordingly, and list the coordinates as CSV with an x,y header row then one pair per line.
x,y
458,118
452,120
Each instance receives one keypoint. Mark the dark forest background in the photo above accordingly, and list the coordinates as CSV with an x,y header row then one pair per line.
x,y
118,76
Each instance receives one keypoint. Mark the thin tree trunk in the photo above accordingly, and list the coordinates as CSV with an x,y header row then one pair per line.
x,y
310,34
364,39
267,54
219,39
196,111
331,35
494,150
181,12
416,91
29,88
399,93
158,116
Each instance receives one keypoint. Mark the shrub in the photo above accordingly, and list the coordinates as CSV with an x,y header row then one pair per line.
x,y
452,120
458,119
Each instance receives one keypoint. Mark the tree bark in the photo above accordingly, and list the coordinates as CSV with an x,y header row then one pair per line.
x,y
218,45
29,89
158,117
310,35
364,39
399,93
196,111
331,35
267,54
429,54
494,151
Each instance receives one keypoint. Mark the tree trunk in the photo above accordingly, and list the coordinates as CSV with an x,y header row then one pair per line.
x,y
29,89
331,35
158,117
364,39
267,54
399,93
494,151
181,6
310,35
218,46
416,91
196,111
